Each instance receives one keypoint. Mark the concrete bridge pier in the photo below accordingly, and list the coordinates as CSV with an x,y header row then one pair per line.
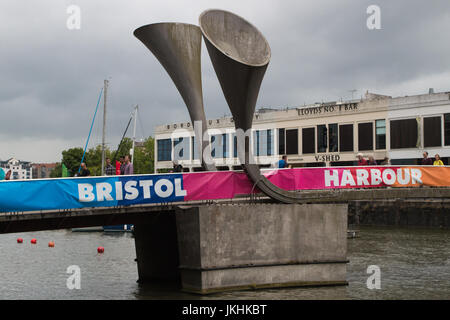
x,y
157,248
233,247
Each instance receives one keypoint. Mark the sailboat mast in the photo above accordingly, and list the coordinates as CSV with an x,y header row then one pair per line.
x,y
134,134
104,126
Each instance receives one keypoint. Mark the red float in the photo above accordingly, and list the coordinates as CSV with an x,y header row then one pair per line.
x,y
100,249
33,241
19,240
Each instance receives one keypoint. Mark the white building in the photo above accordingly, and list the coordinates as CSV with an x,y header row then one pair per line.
x,y
323,134
20,170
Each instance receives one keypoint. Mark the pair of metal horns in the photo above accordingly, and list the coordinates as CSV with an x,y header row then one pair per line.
x,y
240,55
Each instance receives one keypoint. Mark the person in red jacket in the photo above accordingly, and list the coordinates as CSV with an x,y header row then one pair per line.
x,y
361,160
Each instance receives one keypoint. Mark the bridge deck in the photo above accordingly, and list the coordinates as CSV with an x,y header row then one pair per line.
x,y
101,216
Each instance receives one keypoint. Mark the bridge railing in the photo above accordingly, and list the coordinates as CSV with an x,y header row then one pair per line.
x,y
109,191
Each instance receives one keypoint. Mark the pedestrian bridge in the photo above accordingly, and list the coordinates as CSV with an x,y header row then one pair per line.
x,y
33,205
214,231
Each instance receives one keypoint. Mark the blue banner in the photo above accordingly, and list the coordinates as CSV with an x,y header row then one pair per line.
x,y
72,193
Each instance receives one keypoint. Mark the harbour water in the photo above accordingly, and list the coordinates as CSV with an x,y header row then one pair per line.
x,y
414,264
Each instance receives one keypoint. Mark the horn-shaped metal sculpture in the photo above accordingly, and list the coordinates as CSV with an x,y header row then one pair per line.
x,y
240,55
177,46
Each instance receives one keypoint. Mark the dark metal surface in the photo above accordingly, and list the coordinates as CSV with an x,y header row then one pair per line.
x,y
177,46
240,55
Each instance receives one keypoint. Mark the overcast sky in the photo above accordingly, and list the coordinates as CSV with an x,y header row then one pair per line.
x,y
50,76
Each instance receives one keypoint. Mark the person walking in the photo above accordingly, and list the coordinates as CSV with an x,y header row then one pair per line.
x,y
128,166
109,169
437,161
426,161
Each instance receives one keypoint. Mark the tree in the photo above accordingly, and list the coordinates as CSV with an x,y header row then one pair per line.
x,y
144,157
72,159
94,159
124,148
57,171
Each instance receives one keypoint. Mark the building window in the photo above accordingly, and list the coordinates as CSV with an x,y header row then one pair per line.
x,y
219,146
256,146
225,145
270,144
432,134
235,153
333,137
194,150
346,137
308,140
292,141
447,129
281,141
403,133
263,143
322,138
164,150
214,154
380,134
181,149
365,136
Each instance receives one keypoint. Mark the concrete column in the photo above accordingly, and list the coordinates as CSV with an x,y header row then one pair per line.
x,y
157,248
232,247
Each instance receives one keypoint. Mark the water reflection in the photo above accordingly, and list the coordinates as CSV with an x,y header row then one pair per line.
x,y
414,263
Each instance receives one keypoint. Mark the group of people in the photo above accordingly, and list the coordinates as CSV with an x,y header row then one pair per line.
x,y
426,161
123,167
370,161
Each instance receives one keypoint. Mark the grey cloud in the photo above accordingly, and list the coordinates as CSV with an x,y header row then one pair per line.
x,y
50,77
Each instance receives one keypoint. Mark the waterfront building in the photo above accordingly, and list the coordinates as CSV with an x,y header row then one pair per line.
x,y
42,170
322,134
20,170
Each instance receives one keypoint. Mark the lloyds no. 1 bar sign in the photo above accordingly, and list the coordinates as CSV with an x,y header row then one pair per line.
x,y
327,109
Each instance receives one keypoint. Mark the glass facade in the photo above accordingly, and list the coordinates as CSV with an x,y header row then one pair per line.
x,y
432,133
447,129
194,151
308,140
380,134
404,133
346,137
365,136
333,137
181,150
263,143
219,146
322,140
164,149
281,141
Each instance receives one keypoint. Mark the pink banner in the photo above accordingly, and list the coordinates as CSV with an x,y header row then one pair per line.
x,y
229,184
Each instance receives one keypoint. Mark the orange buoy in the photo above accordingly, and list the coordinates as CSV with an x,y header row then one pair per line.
x,y
19,240
100,249
51,244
